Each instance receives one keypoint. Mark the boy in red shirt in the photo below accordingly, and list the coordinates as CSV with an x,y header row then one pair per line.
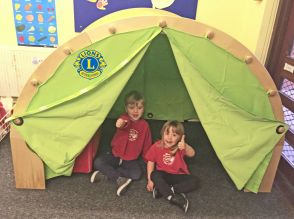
x,y
132,138
171,179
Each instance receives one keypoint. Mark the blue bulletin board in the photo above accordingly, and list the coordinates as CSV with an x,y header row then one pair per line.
x,y
87,11
35,22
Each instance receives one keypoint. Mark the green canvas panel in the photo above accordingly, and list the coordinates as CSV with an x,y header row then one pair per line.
x,y
66,82
254,182
241,140
227,74
58,132
157,77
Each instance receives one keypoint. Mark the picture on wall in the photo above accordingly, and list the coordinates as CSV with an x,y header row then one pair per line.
x,y
87,11
35,23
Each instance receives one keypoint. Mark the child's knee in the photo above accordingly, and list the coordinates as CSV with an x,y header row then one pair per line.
x,y
196,182
98,162
136,175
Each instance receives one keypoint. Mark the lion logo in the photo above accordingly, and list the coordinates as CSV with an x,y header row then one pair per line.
x,y
90,64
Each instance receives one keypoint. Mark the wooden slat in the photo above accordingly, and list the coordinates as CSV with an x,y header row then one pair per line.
x,y
277,47
289,60
28,167
287,75
287,102
290,138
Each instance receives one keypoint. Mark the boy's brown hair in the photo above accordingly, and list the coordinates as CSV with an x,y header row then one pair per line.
x,y
132,97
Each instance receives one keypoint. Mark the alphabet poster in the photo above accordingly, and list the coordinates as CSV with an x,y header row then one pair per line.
x,y
35,22
87,11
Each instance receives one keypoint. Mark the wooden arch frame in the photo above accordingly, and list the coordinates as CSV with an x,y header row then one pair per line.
x,y
28,167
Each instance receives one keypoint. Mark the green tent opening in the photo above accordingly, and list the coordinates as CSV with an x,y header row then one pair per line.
x,y
157,77
182,76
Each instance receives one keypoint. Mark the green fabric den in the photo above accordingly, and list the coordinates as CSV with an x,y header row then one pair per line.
x,y
181,76
158,78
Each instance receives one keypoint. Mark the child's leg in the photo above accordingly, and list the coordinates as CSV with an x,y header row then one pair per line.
x,y
130,169
181,184
184,183
107,165
160,183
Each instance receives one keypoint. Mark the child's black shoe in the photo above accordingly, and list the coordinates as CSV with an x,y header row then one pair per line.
x,y
180,201
97,176
122,183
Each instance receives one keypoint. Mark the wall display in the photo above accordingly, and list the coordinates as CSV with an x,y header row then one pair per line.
x,y
87,11
35,22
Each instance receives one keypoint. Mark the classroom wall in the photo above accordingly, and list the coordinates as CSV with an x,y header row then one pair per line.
x,y
248,21
18,62
245,20
241,19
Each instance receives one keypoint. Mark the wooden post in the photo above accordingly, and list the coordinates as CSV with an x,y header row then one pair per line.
x,y
28,167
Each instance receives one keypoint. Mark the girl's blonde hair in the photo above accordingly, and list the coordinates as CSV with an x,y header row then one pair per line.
x,y
176,125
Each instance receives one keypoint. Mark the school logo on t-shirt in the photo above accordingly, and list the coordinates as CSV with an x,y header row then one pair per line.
x,y
133,135
168,159
90,64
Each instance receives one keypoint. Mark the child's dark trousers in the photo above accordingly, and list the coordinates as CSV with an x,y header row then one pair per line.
x,y
181,183
113,168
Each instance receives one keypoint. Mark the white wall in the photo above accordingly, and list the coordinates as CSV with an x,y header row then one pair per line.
x,y
249,21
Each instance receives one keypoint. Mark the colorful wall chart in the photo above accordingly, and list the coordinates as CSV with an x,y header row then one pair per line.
x,y
87,11
35,22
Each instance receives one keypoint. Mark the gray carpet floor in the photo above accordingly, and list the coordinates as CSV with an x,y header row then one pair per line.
x,y
76,197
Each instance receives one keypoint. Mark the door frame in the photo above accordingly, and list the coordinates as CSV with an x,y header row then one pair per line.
x,y
266,29
276,47
274,64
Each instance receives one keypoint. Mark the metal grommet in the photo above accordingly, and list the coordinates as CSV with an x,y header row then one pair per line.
x,y
280,129
150,115
18,121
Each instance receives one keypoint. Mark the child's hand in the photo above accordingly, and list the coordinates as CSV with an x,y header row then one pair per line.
x,y
182,143
150,185
120,123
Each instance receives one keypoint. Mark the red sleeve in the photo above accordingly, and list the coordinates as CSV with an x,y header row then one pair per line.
x,y
147,142
150,155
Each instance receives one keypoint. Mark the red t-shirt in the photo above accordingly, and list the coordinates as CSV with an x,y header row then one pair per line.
x,y
165,162
132,139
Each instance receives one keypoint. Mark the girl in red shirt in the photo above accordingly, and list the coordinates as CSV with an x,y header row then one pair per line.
x,y
171,178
